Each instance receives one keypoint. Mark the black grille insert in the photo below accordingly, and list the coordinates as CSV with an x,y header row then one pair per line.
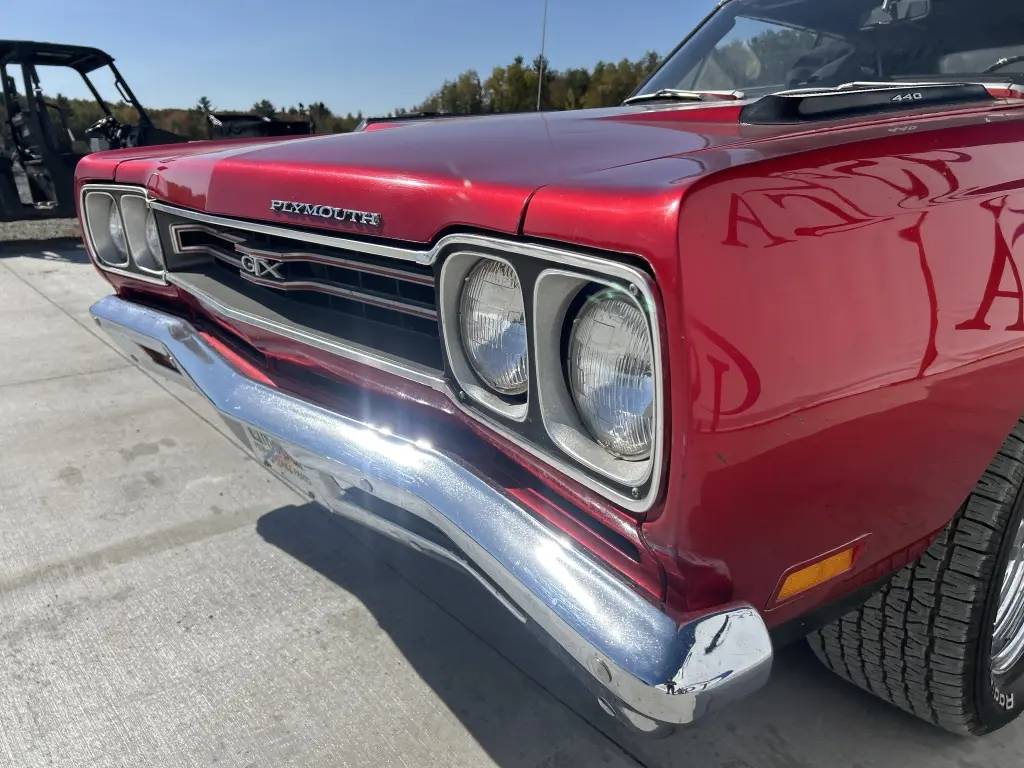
x,y
385,304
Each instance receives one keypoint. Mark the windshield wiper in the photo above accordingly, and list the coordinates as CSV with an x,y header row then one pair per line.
x,y
676,94
857,85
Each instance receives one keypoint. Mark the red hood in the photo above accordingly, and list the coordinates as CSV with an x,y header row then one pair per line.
x,y
480,172
421,177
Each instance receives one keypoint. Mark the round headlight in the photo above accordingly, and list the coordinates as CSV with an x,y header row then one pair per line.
x,y
493,325
115,227
156,251
611,374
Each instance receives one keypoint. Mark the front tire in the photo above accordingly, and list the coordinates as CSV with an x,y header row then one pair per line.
x,y
944,639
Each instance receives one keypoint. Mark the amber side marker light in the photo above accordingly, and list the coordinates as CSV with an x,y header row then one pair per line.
x,y
817,573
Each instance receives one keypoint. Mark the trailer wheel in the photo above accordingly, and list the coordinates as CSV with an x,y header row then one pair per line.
x,y
944,639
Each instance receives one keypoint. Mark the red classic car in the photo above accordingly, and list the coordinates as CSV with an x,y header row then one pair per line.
x,y
738,362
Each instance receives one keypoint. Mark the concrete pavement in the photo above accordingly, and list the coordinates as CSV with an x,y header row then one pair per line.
x,y
165,602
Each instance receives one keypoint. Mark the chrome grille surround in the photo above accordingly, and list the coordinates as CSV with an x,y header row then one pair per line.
x,y
435,379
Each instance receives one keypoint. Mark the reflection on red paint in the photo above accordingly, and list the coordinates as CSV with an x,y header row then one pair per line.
x,y
913,234
1002,261
732,376
742,213
852,319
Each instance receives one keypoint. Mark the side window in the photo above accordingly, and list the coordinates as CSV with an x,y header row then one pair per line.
x,y
755,54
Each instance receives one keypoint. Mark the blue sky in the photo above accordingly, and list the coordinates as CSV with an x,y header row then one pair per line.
x,y
351,54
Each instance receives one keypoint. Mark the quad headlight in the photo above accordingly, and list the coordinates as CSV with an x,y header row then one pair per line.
x,y
115,229
611,374
492,322
153,239
105,229
598,374
122,230
563,357
143,234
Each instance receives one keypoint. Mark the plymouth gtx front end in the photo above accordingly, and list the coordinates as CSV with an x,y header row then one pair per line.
x,y
664,378
482,325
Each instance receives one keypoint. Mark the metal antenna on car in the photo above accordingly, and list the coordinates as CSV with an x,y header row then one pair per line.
x,y
540,61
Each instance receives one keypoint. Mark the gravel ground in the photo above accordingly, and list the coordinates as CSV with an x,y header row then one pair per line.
x,y
48,229
165,602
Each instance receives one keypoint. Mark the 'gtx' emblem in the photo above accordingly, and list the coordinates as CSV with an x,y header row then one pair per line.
x,y
260,267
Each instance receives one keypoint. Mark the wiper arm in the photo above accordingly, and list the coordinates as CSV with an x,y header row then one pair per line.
x,y
676,94
857,85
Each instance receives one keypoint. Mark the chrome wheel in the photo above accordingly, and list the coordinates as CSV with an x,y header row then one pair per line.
x,y
1008,629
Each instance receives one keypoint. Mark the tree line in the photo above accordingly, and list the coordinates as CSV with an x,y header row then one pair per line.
x,y
510,88
513,88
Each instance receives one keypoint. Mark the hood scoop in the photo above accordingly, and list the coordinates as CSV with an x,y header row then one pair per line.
x,y
791,107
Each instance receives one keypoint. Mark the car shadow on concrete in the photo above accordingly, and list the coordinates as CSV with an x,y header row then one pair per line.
x,y
804,717
64,250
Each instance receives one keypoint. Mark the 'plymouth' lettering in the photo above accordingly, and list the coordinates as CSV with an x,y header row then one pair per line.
x,y
366,218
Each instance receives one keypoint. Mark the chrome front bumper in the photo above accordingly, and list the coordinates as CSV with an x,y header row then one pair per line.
x,y
648,669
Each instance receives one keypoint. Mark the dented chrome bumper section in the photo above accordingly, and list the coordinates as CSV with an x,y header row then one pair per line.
x,y
647,668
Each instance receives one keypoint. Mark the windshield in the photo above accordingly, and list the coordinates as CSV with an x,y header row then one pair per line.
x,y
764,46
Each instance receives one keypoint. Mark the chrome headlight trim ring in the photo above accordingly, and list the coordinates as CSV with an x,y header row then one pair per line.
x,y
567,445
93,242
555,291
454,272
135,213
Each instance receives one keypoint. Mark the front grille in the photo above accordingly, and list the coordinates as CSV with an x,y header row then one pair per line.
x,y
386,305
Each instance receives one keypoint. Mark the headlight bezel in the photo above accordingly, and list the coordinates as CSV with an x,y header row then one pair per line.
x,y
471,387
135,213
95,202
98,205
517,364
548,425
556,292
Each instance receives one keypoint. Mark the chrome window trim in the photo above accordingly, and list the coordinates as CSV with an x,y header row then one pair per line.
x,y
564,258
449,298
